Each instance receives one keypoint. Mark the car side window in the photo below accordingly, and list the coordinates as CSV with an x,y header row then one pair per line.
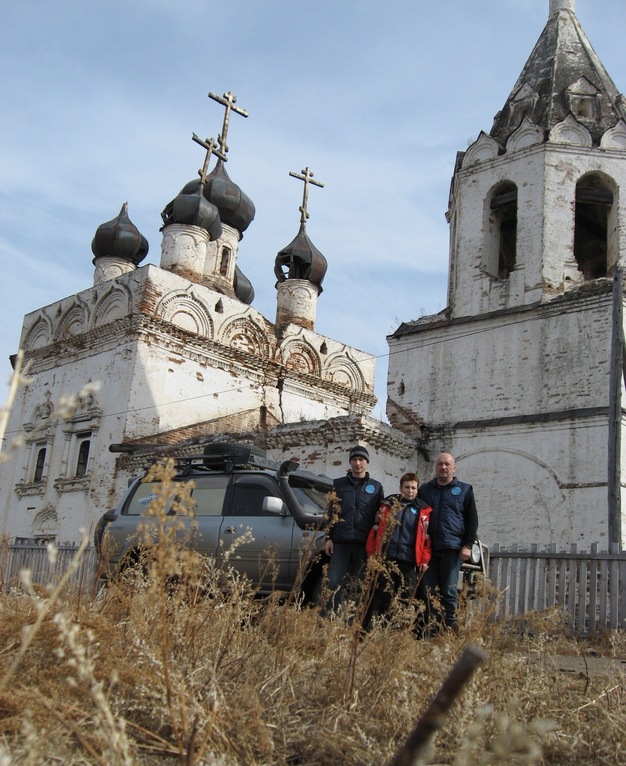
x,y
146,493
209,494
247,494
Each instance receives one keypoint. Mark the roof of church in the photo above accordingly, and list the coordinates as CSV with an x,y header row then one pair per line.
x,y
194,209
120,238
300,259
233,205
563,74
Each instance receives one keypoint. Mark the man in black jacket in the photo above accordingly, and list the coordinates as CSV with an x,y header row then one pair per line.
x,y
352,509
452,530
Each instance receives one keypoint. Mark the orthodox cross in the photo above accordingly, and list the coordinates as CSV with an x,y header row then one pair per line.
x,y
307,177
211,148
228,100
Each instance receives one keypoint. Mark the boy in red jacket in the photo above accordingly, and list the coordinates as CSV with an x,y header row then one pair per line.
x,y
401,538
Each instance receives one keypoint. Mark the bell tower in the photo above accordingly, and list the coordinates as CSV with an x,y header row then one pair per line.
x,y
520,377
535,206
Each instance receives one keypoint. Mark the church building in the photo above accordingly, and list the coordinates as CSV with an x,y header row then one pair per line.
x,y
153,356
520,377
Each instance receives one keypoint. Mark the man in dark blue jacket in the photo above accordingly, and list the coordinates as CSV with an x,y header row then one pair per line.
x,y
452,530
352,510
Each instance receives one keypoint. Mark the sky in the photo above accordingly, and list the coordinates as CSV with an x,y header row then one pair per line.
x,y
100,100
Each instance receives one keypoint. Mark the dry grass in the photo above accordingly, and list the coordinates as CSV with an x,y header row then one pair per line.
x,y
152,671
178,662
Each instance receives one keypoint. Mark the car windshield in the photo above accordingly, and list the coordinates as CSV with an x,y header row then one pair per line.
x,y
312,498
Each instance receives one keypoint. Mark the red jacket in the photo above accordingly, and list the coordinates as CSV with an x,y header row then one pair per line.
x,y
376,537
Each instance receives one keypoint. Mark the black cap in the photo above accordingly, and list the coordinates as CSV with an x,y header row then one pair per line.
x,y
359,451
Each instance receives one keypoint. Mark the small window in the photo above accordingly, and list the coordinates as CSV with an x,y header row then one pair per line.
x,y
83,457
39,464
224,262
207,497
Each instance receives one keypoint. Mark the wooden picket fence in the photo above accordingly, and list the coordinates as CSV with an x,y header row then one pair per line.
x,y
45,568
588,587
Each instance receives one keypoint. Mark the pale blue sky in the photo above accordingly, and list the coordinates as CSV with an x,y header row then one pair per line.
x,y
99,101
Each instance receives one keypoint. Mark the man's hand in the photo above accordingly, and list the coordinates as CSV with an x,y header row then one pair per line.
x,y
465,554
329,547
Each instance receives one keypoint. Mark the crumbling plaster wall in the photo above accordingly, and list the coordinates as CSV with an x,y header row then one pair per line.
x,y
549,358
535,483
168,355
323,447
521,399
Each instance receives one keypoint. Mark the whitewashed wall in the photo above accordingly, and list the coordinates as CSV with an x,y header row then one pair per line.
x,y
169,354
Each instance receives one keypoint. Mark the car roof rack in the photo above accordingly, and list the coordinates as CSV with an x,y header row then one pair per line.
x,y
224,456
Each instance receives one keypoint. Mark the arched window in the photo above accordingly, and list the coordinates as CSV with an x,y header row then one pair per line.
x,y
594,201
39,464
501,250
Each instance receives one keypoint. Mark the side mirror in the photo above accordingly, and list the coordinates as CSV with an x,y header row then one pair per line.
x,y
274,505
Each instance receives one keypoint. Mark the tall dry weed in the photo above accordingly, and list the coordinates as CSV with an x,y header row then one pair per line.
x,y
181,661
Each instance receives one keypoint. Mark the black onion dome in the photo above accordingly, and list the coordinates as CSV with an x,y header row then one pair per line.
x,y
195,210
236,209
301,260
120,238
243,287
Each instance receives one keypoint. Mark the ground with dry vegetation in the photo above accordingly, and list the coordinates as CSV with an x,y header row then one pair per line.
x,y
179,663
195,669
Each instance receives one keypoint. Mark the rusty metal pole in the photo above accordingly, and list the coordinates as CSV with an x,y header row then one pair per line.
x,y
434,715
615,410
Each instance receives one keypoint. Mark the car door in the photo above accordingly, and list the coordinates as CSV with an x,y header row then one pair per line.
x,y
207,503
193,523
137,523
258,543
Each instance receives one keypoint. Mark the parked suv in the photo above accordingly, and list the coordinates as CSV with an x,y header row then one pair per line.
x,y
238,491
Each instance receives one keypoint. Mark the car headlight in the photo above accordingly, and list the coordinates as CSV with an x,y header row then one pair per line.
x,y
475,558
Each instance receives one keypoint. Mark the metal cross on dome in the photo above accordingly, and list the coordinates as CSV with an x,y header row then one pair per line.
x,y
307,177
228,100
211,148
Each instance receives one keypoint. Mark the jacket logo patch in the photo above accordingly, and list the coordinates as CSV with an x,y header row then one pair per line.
x,y
456,490
370,489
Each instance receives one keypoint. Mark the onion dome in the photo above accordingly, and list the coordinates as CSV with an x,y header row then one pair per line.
x,y
195,210
235,208
243,287
301,260
191,207
120,238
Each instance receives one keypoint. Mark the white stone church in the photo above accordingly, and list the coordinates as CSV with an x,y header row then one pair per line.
x,y
176,355
520,376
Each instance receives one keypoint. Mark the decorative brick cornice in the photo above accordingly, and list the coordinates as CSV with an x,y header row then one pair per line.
x,y
342,430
